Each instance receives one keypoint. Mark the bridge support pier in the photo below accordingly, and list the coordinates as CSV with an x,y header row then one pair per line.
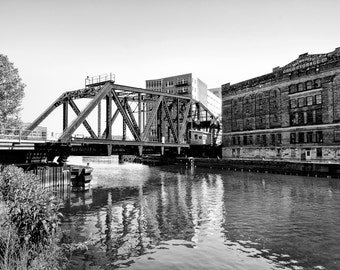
x,y
140,150
162,150
178,151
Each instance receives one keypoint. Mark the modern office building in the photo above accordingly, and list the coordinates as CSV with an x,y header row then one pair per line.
x,y
292,113
214,101
185,84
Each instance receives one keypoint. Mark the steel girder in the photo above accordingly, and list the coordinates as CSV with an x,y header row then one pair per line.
x,y
174,111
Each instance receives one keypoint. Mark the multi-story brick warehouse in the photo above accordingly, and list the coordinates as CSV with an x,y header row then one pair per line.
x,y
292,113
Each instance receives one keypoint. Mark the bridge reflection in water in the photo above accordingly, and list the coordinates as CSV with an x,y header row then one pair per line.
x,y
171,218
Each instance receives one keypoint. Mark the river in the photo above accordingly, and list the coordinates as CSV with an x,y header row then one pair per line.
x,y
168,217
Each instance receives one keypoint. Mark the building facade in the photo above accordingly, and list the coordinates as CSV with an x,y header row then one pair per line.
x,y
292,113
184,84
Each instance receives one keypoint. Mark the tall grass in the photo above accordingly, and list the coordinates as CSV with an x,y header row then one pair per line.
x,y
29,216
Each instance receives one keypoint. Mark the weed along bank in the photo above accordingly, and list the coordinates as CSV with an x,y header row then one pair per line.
x,y
289,115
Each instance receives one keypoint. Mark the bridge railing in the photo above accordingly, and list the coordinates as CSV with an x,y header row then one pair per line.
x,y
17,135
99,79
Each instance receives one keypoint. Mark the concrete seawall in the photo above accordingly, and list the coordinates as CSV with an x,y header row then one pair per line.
x,y
266,166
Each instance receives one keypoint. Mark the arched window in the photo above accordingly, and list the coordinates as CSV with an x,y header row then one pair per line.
x,y
292,89
309,85
300,87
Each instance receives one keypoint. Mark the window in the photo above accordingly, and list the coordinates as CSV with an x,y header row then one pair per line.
x,y
309,137
238,140
309,85
318,99
292,138
318,116
319,137
317,83
300,87
310,101
310,117
292,89
244,140
250,141
278,138
301,137
301,102
294,119
272,139
234,140
301,118
293,103
264,140
258,139
319,152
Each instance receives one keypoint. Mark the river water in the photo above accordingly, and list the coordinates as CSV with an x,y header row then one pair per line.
x,y
140,217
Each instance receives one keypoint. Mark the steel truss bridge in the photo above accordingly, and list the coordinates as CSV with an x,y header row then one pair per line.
x,y
158,122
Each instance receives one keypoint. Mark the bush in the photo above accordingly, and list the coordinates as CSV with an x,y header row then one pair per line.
x,y
32,216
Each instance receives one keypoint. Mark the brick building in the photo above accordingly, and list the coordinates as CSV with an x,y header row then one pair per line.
x,y
292,113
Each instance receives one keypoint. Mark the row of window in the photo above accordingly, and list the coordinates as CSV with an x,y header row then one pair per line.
x,y
303,86
152,84
276,139
308,117
306,137
263,140
305,101
183,90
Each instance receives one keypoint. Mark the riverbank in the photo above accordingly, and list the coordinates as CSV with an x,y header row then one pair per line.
x,y
266,166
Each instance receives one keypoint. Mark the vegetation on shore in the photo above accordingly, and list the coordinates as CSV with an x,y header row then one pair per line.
x,y
29,217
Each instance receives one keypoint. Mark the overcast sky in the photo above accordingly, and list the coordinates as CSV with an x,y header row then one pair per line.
x,y
56,44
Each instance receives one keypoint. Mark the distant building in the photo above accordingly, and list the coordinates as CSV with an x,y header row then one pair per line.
x,y
186,85
292,113
214,102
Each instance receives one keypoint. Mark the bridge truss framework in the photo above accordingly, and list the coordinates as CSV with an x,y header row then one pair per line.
x,y
156,120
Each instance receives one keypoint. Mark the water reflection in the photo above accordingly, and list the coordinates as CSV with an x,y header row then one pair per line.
x,y
170,218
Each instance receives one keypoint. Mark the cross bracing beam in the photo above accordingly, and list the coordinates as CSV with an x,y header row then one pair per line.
x,y
113,119
43,116
126,117
151,118
85,123
66,136
132,117
169,118
183,126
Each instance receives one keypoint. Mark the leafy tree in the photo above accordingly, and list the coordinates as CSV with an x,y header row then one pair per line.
x,y
11,94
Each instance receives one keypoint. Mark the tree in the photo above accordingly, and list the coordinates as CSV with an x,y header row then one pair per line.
x,y
11,95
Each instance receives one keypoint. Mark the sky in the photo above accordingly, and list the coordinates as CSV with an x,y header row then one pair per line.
x,y
55,44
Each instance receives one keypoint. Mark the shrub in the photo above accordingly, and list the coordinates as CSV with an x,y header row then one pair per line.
x,y
32,216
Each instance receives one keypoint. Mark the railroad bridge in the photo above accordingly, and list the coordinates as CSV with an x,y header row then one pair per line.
x,y
157,122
